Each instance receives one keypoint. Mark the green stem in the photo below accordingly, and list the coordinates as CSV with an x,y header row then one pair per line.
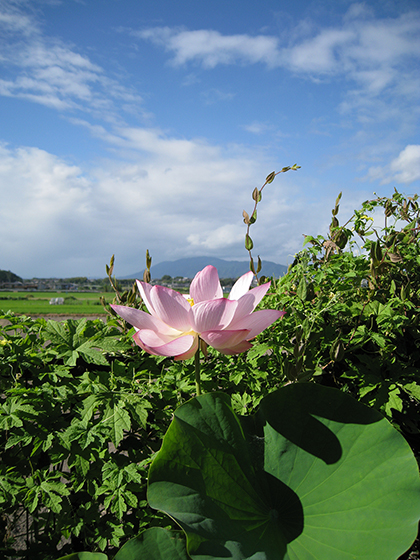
x,y
197,369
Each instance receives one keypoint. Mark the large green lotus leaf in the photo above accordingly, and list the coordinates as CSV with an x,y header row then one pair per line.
x,y
155,544
314,475
355,475
85,556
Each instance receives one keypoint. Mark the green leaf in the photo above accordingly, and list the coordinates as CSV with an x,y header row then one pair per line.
x,y
413,389
394,400
118,504
14,439
155,544
302,289
314,475
117,417
257,351
248,243
85,556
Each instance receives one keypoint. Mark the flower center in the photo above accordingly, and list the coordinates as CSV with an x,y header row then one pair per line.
x,y
189,299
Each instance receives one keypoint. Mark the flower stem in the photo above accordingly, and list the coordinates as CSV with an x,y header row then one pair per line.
x,y
197,369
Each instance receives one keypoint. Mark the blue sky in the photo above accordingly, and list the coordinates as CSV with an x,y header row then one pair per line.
x,y
128,125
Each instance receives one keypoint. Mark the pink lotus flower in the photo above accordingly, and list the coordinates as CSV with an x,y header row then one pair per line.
x,y
175,323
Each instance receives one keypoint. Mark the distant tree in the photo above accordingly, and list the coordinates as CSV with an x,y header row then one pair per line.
x,y
166,278
227,281
7,276
78,280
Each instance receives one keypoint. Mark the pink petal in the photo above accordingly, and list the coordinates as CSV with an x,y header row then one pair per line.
x,y
257,321
242,347
206,285
224,339
171,307
141,320
213,315
190,353
175,347
144,289
248,302
241,286
153,339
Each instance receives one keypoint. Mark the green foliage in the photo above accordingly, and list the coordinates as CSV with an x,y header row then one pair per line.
x,y
83,411
353,315
81,415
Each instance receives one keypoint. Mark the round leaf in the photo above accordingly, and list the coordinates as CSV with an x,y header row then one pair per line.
x,y
314,475
85,556
155,544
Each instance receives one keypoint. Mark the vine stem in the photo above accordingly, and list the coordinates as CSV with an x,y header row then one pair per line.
x,y
197,369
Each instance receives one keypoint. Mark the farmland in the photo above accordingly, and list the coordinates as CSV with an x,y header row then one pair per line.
x,y
38,303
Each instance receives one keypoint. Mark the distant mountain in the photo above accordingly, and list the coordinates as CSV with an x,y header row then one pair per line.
x,y
226,269
7,276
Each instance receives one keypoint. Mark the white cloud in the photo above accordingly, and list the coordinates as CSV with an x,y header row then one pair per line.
x,y
369,51
258,127
13,21
211,47
217,239
405,168
47,71
175,197
56,217
319,55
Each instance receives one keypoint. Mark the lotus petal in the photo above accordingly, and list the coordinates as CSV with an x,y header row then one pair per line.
x,y
248,302
141,320
144,289
189,353
241,286
206,285
212,315
257,321
175,347
224,339
242,347
171,308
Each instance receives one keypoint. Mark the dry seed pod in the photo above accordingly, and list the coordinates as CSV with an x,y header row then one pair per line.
x,y
270,178
148,259
256,195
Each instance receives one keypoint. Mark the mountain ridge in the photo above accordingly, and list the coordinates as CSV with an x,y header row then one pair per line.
x,y
188,267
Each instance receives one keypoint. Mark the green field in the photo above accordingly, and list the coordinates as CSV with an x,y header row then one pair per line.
x,y
38,303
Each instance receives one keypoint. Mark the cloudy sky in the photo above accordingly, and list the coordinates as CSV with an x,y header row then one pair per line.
x,y
128,125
